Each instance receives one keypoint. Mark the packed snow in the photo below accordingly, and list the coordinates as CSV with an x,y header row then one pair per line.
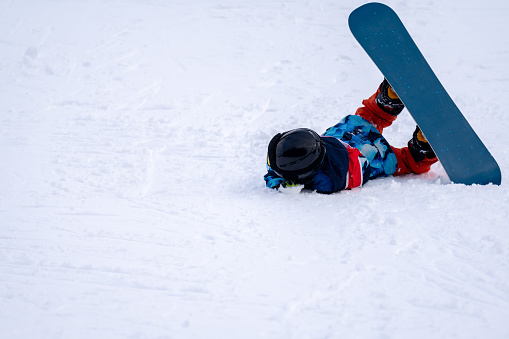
x,y
133,138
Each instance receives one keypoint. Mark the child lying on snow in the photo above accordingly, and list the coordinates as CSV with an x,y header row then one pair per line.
x,y
348,154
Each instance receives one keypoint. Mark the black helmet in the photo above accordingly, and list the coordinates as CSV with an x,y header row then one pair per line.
x,y
296,154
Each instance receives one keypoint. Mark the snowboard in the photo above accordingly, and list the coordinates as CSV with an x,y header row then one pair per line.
x,y
461,152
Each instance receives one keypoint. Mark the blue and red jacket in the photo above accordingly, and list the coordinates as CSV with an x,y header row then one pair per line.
x,y
341,170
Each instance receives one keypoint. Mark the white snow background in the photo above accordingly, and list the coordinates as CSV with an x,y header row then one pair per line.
x,y
133,138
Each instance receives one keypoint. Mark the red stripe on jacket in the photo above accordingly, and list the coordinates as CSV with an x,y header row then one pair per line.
x,y
354,175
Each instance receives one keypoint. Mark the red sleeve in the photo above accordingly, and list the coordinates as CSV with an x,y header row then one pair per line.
x,y
354,177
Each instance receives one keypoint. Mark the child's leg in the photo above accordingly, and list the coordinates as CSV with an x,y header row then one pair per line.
x,y
382,108
417,157
407,164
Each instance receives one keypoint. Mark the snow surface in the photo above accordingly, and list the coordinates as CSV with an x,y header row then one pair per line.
x,y
133,138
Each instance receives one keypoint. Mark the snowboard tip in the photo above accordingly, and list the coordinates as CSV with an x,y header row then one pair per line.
x,y
362,13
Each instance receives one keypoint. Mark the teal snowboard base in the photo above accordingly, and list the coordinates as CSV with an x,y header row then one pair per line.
x,y
383,36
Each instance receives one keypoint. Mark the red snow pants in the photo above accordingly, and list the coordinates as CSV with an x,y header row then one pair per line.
x,y
380,119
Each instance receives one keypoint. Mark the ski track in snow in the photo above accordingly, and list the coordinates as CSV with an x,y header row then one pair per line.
x,y
133,138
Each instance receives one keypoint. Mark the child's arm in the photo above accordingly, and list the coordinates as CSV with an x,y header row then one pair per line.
x,y
272,180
